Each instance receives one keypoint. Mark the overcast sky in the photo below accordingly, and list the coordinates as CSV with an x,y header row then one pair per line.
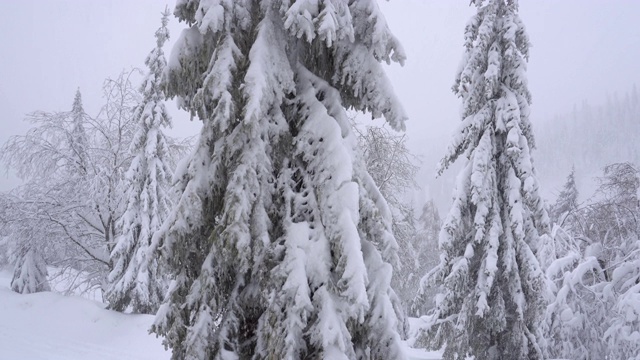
x,y
582,50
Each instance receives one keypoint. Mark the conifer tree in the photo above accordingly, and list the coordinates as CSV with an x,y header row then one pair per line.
x,y
564,217
78,141
567,200
426,247
281,244
491,301
30,271
134,280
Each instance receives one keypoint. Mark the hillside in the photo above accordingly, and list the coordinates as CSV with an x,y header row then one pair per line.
x,y
50,326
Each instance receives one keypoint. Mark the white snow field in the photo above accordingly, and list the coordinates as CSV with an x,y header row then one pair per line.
x,y
51,326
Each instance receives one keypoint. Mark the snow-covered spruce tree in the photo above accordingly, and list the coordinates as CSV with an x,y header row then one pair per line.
x,y
491,300
281,243
78,141
425,245
565,220
567,201
134,281
30,271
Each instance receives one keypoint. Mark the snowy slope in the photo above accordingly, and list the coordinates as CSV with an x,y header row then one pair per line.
x,y
50,326
418,354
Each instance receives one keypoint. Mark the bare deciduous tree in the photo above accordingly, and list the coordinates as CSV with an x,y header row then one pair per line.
x,y
73,196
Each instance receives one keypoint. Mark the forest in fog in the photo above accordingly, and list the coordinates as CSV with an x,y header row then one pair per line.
x,y
289,225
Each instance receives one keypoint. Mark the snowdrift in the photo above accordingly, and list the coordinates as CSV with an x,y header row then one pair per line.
x,y
51,326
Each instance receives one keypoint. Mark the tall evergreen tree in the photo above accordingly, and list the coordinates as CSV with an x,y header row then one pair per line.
x,y
281,243
491,301
78,140
567,200
426,247
134,281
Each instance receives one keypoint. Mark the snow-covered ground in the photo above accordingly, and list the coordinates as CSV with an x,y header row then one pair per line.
x,y
418,354
50,326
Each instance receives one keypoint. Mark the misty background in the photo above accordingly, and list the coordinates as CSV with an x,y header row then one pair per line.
x,y
583,62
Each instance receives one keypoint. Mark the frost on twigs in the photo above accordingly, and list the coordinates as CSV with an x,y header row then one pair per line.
x,y
594,270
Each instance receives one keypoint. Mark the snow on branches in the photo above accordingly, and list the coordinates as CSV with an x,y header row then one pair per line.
x,y
491,283
280,242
